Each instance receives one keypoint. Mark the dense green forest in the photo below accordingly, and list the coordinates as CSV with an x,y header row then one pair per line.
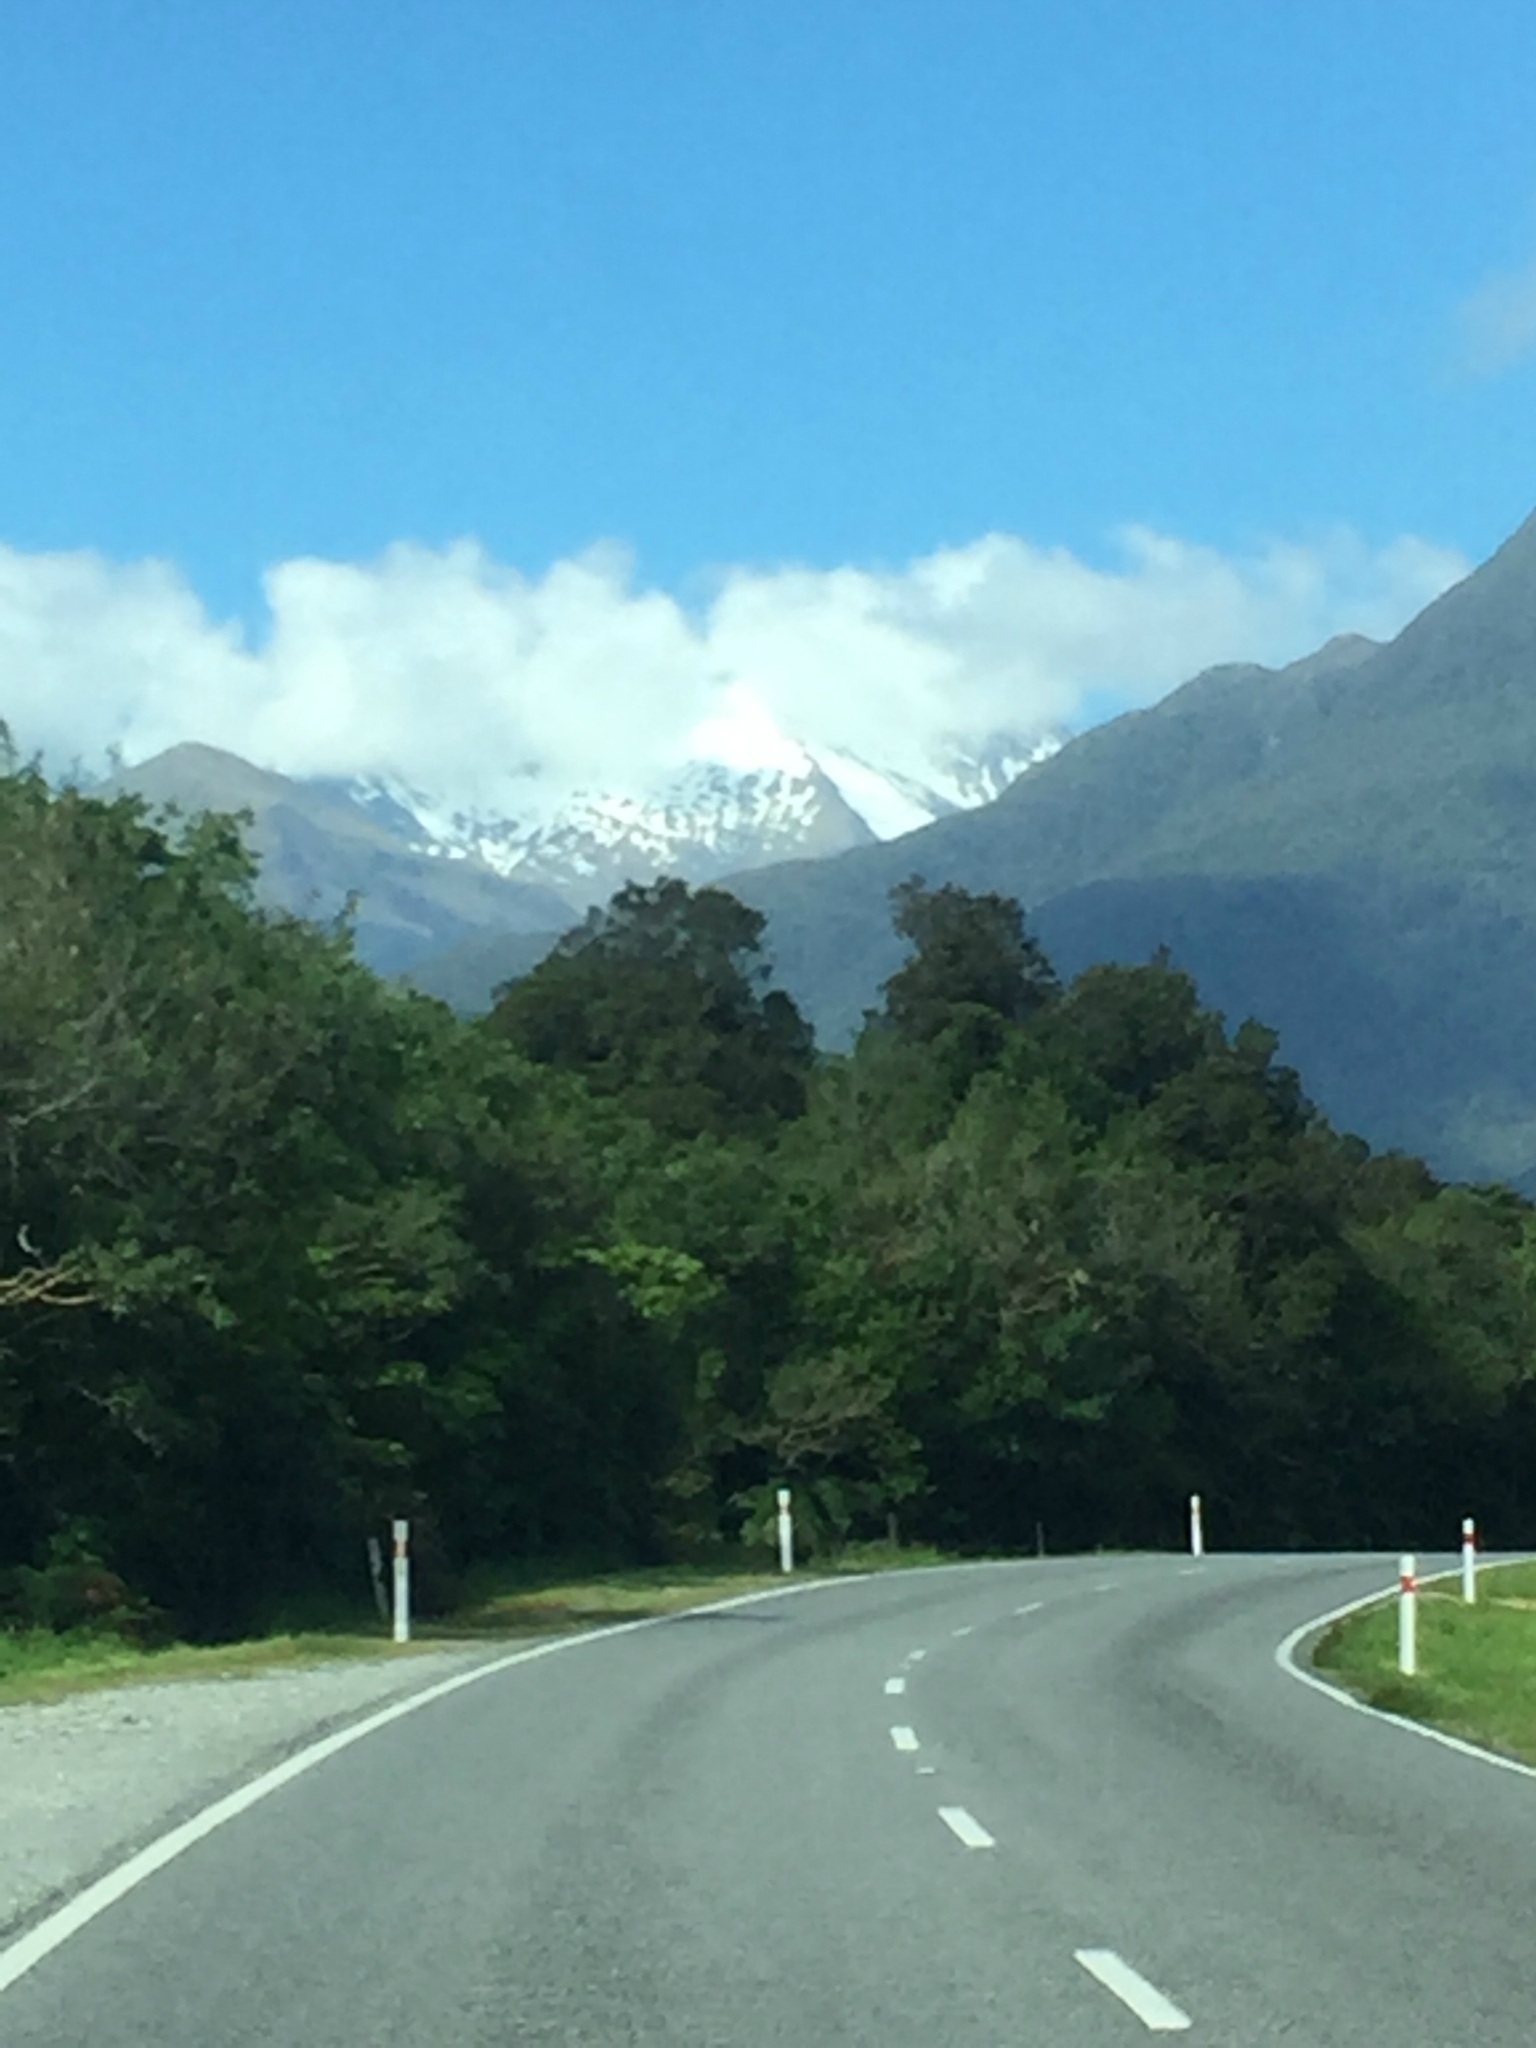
x,y
288,1249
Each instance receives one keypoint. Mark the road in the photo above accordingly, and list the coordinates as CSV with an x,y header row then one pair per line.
x,y
1039,1803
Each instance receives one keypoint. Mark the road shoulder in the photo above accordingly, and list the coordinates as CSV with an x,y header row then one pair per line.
x,y
86,1780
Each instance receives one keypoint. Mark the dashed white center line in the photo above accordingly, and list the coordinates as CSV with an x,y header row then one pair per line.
x,y
895,1685
1109,1586
966,1827
1034,1607
1158,2014
916,1656
963,1631
1188,1571
904,1738
927,1770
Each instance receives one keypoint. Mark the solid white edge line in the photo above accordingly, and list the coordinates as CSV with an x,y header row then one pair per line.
x,y
29,1949
1285,1657
1157,2013
893,1686
904,1739
966,1827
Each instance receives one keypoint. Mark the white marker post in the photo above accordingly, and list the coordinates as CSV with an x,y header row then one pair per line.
x,y
1196,1527
786,1533
1468,1560
402,1581
1407,1615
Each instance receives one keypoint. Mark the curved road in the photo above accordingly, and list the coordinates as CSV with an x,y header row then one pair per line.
x,y
1067,1803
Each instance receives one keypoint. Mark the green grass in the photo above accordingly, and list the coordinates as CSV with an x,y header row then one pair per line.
x,y
569,1605
36,1664
1477,1665
514,1602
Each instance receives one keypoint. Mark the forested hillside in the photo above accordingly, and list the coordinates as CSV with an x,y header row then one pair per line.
x,y
1346,846
287,1250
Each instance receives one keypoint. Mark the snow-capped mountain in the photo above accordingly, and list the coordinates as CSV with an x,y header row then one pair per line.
x,y
710,819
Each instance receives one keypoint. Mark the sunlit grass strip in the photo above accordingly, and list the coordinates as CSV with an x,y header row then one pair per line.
x,y
656,1589
1477,1665
588,1603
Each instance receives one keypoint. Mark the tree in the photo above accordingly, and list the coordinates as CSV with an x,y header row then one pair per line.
x,y
973,961
660,998
1133,1029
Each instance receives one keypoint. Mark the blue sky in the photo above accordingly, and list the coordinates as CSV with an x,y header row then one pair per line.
x,y
741,285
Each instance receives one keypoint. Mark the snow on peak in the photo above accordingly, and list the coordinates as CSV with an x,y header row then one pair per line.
x,y
885,802
746,797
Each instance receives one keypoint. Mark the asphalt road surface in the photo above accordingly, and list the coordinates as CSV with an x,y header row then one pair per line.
x,y
1065,1804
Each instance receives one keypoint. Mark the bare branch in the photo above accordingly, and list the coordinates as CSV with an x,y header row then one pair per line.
x,y
56,1286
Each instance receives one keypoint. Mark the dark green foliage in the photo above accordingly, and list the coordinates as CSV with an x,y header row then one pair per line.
x,y
970,954
284,1251
655,999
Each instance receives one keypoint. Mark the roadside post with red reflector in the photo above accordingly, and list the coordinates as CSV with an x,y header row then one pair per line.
x,y
1468,1560
1407,1615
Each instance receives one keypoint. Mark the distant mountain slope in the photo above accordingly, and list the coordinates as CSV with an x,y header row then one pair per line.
x,y
468,973
454,895
317,848
1346,847
1404,1005
1106,806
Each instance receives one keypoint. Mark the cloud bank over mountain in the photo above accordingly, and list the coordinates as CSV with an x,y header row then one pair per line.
x,y
497,688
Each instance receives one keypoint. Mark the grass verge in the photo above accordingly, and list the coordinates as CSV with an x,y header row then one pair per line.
x,y
1477,1665
37,1665
511,1603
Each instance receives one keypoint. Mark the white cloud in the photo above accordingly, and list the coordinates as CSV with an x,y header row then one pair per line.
x,y
467,677
94,651
1497,322
742,734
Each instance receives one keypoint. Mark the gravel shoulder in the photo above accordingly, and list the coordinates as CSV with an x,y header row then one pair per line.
x,y
87,1780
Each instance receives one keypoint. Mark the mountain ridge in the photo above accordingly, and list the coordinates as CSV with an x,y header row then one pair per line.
x,y
1391,788
316,854
1345,846
434,882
